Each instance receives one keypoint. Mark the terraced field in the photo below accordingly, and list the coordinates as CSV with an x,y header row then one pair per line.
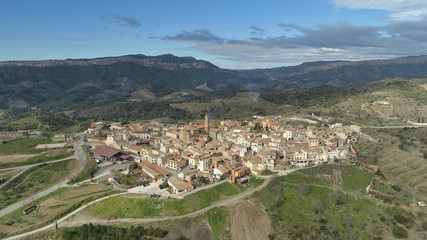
x,y
409,167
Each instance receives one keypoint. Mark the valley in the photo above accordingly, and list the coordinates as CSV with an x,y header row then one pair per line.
x,y
340,199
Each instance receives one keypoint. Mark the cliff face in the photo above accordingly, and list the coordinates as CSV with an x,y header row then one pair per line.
x,y
72,83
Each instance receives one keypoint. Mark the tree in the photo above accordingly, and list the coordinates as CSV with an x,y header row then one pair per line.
x,y
133,166
341,199
105,127
399,232
257,127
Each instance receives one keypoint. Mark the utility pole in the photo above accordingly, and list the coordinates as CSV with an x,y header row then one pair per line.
x,y
163,208
56,229
415,193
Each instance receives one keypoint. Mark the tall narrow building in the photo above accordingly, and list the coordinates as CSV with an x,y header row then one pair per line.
x,y
207,124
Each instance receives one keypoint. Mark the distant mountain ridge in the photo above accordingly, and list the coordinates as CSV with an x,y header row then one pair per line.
x,y
163,61
75,83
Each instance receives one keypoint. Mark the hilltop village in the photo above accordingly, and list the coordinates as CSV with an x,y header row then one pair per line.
x,y
178,154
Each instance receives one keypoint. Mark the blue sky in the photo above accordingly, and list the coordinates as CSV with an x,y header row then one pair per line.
x,y
231,34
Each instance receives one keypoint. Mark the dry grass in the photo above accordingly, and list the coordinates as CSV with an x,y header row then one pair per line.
x,y
15,157
144,93
7,174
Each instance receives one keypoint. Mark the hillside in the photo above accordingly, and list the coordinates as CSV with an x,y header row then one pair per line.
x,y
71,84
59,85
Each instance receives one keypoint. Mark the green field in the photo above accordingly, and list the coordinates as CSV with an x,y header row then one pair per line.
x,y
128,179
140,208
201,199
41,178
22,145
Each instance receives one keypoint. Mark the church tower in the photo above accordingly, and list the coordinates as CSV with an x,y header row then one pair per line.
x,y
207,124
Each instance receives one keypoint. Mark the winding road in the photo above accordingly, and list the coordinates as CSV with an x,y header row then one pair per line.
x,y
407,126
78,153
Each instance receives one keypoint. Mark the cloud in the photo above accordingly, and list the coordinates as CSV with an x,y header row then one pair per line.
x,y
297,44
400,9
196,36
410,14
255,30
119,19
380,4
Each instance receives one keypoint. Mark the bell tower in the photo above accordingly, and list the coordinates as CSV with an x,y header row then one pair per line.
x,y
207,124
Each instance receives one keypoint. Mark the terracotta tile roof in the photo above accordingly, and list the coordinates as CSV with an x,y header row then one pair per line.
x,y
188,185
124,157
135,147
106,151
154,167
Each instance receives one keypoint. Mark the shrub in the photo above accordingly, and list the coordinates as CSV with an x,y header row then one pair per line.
x,y
317,206
399,232
400,219
347,222
271,236
323,220
341,199
424,226
396,188
303,189
133,166
362,226
356,207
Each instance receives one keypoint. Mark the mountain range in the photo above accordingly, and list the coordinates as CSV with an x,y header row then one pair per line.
x,y
75,83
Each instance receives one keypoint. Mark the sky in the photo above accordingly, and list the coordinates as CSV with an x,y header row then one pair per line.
x,y
231,34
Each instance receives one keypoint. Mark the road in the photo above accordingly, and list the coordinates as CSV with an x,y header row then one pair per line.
x,y
104,170
79,154
408,126
229,201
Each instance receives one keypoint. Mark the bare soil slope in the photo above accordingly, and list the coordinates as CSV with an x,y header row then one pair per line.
x,y
249,221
